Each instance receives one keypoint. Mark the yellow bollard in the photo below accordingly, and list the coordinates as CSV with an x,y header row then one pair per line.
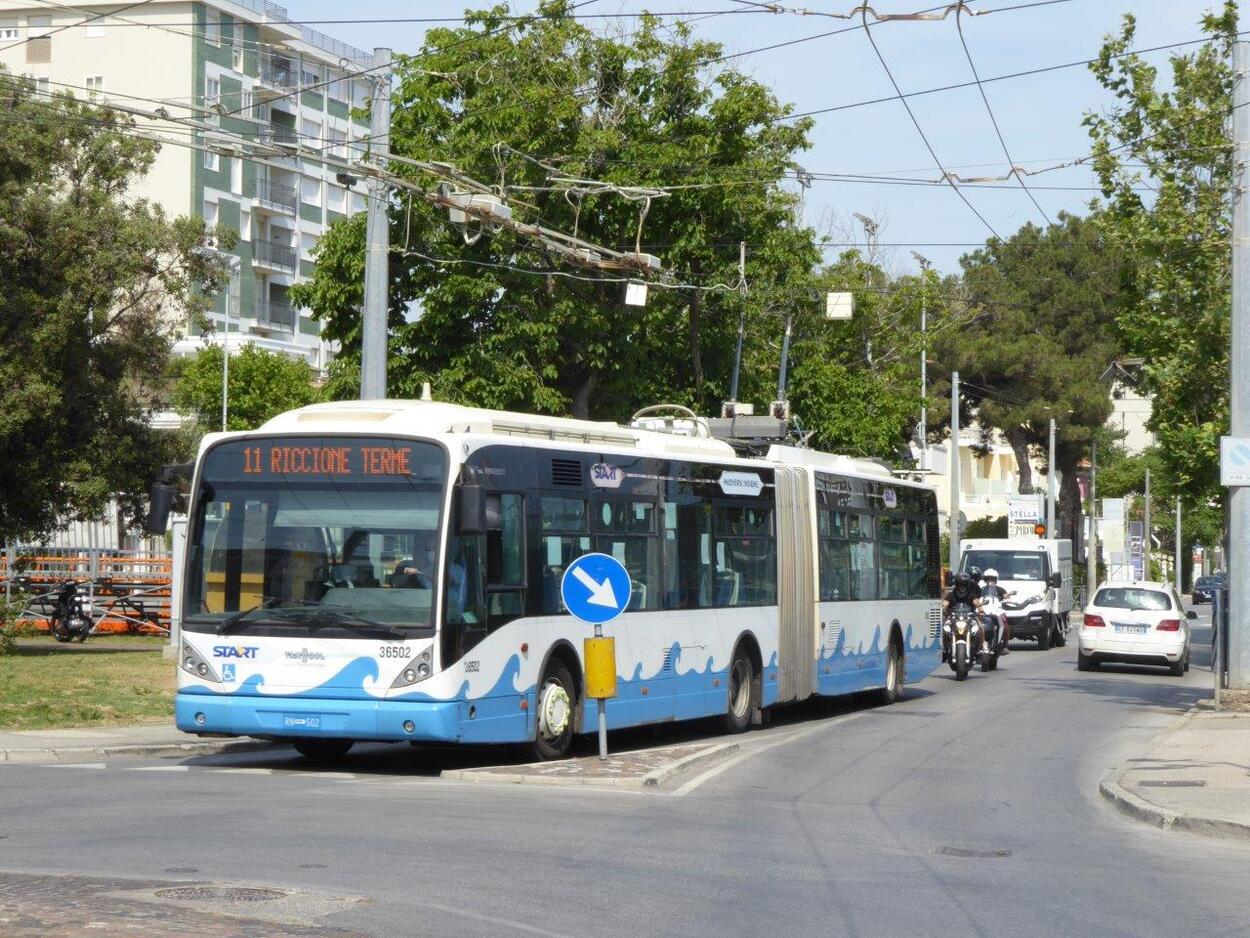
x,y
600,657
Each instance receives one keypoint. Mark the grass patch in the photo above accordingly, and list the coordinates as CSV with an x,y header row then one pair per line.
x,y
45,689
135,641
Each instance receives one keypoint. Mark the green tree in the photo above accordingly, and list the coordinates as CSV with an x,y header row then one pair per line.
x,y
988,527
94,283
262,384
503,323
1164,162
1044,302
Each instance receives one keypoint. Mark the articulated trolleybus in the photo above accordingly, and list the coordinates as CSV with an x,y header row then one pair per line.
x,y
391,570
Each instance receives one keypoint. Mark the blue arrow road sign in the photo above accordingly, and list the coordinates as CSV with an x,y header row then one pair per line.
x,y
596,588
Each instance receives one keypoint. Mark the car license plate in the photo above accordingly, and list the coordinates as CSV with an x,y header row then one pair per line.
x,y
1132,629
302,721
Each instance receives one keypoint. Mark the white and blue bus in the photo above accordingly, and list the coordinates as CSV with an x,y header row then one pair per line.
x,y
391,570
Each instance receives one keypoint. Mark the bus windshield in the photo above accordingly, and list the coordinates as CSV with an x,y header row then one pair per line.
x,y
302,535
1010,564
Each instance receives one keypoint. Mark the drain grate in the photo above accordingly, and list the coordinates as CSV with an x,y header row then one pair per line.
x,y
1172,783
220,894
971,853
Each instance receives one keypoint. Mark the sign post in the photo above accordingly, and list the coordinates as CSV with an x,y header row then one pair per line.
x,y
596,588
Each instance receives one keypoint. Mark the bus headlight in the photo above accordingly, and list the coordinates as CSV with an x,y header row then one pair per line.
x,y
192,663
416,672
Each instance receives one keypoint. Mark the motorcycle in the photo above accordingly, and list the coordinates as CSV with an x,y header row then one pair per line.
x,y
71,612
962,639
995,628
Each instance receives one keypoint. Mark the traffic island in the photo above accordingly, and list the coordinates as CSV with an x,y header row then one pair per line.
x,y
95,744
640,769
1194,777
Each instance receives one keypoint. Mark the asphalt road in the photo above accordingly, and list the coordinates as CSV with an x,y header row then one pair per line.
x,y
968,809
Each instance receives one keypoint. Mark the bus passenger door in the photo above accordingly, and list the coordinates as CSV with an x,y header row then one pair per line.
x,y
796,586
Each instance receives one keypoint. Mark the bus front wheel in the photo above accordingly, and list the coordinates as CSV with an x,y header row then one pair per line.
x,y
741,692
557,704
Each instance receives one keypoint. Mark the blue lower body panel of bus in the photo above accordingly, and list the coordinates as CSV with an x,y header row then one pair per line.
x,y
495,719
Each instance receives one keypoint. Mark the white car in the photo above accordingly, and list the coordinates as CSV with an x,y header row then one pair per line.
x,y
1135,623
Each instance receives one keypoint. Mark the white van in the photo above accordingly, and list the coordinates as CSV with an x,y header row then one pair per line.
x,y
1039,572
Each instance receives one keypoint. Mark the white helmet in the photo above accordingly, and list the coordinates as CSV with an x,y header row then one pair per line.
x,y
991,573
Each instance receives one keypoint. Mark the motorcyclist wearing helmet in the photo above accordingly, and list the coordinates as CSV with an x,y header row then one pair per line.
x,y
990,590
964,591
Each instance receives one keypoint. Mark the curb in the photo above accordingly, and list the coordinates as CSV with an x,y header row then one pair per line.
x,y
146,751
652,779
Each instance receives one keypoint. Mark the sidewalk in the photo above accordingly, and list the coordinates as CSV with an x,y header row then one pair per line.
x,y
91,744
1194,777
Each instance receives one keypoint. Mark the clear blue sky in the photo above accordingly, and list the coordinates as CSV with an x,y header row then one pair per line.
x,y
1040,116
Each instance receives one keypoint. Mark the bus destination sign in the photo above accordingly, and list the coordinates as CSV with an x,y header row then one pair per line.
x,y
360,459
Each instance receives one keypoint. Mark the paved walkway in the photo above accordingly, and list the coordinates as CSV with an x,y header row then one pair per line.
x,y
87,744
1194,776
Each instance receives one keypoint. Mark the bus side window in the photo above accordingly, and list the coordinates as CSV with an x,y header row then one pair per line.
x,y
565,537
505,559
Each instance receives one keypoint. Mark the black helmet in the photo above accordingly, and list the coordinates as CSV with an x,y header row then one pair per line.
x,y
974,572
962,579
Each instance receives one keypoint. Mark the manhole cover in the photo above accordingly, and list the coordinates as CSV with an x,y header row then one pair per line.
x,y
220,894
973,853
1172,783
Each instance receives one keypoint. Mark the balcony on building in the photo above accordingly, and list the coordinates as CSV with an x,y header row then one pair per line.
x,y
279,75
276,314
276,133
274,256
276,197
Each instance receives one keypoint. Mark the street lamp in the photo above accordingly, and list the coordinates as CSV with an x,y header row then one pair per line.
x,y
870,231
925,264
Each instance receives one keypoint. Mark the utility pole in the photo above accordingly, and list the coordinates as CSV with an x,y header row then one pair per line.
x,y
924,358
1238,529
1050,483
954,471
232,303
1091,552
1177,577
377,235
1146,540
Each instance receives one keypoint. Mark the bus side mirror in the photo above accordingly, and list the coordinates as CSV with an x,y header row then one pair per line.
x,y
1056,580
160,504
471,509
163,494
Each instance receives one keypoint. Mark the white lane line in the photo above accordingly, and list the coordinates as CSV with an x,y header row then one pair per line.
x,y
716,770
160,768
507,923
64,765
241,771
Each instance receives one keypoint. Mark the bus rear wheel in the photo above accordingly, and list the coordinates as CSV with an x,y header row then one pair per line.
x,y
557,704
895,675
322,750
741,692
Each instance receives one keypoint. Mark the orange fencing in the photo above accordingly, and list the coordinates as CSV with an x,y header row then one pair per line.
x,y
130,592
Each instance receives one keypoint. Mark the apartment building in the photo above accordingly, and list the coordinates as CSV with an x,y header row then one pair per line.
x,y
258,74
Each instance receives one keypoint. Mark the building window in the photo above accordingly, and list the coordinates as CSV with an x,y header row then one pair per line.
x,y
335,198
210,215
212,27
212,162
94,83
95,28
236,56
312,75
358,203
38,43
8,29
337,140
245,224
310,191
212,91
311,132
306,244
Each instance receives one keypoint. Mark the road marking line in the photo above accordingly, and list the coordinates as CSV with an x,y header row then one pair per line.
x,y
160,768
716,770
242,771
493,920
66,765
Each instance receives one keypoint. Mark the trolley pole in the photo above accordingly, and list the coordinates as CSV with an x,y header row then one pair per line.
x,y
1146,543
954,564
377,236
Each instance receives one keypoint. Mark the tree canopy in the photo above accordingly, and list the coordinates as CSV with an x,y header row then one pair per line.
x,y
95,282
530,108
260,384
1163,158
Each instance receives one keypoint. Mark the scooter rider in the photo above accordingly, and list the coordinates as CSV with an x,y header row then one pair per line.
x,y
991,591
965,591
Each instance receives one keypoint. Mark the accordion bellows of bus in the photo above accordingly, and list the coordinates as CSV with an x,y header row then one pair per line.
x,y
392,570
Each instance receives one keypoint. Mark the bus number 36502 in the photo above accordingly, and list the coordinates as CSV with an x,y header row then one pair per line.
x,y
395,651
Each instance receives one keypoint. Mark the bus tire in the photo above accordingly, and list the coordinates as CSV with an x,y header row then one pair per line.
x,y
322,750
895,674
741,692
556,709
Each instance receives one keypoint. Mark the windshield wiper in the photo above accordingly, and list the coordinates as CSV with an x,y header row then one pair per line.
x,y
322,615
231,622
